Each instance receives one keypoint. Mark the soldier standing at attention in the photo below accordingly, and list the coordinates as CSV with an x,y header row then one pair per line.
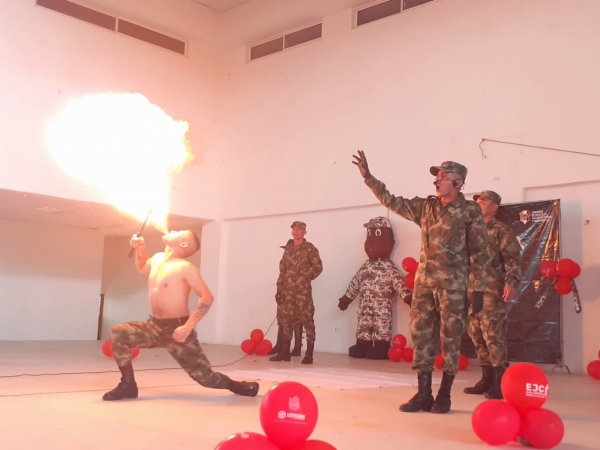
x,y
487,328
299,265
451,272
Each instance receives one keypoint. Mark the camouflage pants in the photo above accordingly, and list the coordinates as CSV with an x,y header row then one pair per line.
x,y
374,319
188,354
487,330
437,316
294,308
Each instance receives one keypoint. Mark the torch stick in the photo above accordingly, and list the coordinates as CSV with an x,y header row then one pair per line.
x,y
576,299
139,232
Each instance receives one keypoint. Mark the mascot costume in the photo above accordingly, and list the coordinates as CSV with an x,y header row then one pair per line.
x,y
376,282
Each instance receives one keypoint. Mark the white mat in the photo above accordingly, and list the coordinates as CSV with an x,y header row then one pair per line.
x,y
333,378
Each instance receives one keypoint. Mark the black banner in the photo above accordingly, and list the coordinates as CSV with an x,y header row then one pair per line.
x,y
534,316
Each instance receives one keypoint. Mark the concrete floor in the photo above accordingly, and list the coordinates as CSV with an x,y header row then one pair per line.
x,y
65,411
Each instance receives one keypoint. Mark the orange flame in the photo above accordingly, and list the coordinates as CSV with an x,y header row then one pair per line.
x,y
124,145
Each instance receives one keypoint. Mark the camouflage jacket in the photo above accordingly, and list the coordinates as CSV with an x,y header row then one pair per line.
x,y
299,265
377,279
454,248
505,253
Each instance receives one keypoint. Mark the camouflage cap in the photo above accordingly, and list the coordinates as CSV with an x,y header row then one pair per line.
x,y
493,196
378,222
450,167
298,224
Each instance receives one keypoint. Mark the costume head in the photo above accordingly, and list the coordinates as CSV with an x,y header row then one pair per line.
x,y
380,238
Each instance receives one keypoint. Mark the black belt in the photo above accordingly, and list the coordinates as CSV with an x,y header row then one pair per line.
x,y
169,323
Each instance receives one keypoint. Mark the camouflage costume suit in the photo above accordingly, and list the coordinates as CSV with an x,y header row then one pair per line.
x,y
376,281
454,253
487,328
299,265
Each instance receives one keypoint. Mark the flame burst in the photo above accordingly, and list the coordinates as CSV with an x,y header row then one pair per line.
x,y
124,145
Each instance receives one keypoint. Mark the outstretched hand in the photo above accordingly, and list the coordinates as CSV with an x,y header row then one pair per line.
x,y
361,162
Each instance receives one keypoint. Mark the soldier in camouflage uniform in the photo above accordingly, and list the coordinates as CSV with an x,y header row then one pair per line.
x,y
171,279
488,327
376,281
454,253
299,265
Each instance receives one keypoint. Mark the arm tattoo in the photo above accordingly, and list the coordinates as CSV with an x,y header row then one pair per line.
x,y
203,309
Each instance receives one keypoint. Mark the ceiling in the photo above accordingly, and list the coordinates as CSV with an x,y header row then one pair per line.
x,y
221,5
106,219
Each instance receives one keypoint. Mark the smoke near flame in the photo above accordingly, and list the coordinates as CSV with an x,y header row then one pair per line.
x,y
124,145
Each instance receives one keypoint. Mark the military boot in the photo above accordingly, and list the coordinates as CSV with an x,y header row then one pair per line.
x,y
495,391
245,388
284,353
277,347
359,350
297,351
308,356
379,350
423,399
127,388
442,402
483,385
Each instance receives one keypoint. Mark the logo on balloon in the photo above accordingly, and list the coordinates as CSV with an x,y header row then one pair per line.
x,y
536,390
294,403
281,415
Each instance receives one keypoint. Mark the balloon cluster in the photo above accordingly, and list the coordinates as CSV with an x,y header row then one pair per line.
x,y
521,417
288,416
398,351
562,274
410,265
593,368
257,343
107,350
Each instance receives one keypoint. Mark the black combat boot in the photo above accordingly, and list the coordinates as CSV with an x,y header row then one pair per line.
x,y
127,388
297,351
495,392
308,356
442,402
423,399
379,351
483,385
277,347
245,388
360,349
284,353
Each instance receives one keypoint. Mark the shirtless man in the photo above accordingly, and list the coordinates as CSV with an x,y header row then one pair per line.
x,y
171,278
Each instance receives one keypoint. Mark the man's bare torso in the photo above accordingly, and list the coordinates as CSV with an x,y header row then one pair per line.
x,y
168,290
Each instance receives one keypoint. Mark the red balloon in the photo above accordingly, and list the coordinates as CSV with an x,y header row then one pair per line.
x,y
248,346
496,422
256,336
409,280
314,445
566,268
399,341
548,269
563,285
246,441
135,352
463,362
525,386
576,271
542,428
598,354
107,348
288,413
408,354
438,361
593,369
263,347
410,264
395,354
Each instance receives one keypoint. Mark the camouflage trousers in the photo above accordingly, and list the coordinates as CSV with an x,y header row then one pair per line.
x,y
487,330
150,334
374,319
437,316
294,309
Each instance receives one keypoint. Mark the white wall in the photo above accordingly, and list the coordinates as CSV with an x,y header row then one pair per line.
x,y
49,282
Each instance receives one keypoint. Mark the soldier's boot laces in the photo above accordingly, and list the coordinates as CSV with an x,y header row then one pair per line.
x,y
495,392
423,399
442,402
297,351
245,388
127,388
483,385
308,356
